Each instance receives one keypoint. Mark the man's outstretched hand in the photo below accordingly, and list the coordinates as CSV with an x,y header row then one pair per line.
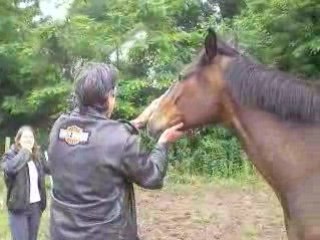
x,y
142,120
172,134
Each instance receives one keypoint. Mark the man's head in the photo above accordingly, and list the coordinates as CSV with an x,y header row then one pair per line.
x,y
95,87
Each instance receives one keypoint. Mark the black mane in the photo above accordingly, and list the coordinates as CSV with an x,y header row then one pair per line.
x,y
254,84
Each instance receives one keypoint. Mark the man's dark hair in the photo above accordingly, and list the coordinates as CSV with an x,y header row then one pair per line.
x,y
94,82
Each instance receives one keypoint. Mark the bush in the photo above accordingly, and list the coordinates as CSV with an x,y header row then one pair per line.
x,y
212,152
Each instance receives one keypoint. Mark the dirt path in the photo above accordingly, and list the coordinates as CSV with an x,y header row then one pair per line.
x,y
202,212
209,213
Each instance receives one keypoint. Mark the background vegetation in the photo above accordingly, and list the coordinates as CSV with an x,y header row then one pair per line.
x,y
149,41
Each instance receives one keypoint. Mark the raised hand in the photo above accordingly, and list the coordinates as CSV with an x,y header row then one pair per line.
x,y
142,120
172,134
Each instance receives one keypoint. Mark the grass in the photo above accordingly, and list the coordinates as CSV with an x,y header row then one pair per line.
x,y
250,233
175,182
4,225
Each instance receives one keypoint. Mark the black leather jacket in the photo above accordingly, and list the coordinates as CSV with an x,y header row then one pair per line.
x,y
94,162
16,176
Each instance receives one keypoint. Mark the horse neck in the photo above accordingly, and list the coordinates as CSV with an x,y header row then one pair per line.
x,y
273,91
252,127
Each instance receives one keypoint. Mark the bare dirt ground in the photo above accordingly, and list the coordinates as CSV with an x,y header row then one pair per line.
x,y
198,212
210,212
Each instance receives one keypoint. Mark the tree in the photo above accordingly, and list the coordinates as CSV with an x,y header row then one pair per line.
x,y
283,33
30,89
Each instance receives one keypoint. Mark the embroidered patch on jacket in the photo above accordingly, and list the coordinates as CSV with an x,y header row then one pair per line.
x,y
73,135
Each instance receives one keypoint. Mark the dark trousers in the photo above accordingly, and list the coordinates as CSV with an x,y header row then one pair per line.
x,y
25,225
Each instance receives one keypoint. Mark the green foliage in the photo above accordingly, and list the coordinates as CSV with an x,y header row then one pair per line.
x,y
37,59
32,85
285,33
212,152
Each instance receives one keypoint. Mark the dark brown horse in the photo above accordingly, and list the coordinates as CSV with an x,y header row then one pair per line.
x,y
275,117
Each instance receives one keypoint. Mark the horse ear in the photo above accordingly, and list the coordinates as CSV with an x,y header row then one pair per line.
x,y
211,44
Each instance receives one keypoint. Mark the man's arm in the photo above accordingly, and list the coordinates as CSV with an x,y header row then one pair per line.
x,y
146,170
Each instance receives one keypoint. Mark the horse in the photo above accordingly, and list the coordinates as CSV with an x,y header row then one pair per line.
x,y
275,117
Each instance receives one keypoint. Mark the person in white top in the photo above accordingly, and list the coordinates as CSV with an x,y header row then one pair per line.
x,y
24,170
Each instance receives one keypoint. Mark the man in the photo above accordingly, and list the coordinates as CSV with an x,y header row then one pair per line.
x,y
94,162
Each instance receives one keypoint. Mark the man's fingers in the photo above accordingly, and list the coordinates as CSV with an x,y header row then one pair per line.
x,y
178,126
138,124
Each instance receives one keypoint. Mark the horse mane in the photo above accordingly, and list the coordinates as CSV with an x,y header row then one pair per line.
x,y
274,91
255,85
268,89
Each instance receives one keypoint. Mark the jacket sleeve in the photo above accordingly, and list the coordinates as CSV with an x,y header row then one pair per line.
x,y
146,170
11,163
